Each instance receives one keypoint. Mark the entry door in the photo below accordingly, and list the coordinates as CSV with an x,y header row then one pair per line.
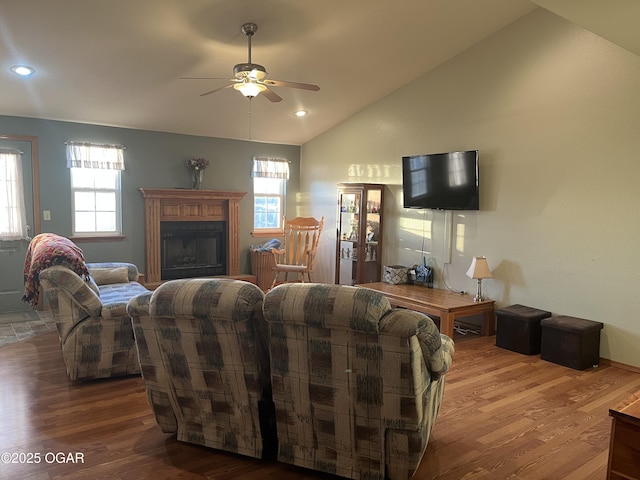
x,y
12,254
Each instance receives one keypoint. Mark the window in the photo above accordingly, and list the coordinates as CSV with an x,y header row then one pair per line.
x,y
95,188
13,222
268,198
269,193
95,201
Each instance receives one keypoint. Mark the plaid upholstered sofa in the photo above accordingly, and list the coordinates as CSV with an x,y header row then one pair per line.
x,y
94,327
205,363
357,385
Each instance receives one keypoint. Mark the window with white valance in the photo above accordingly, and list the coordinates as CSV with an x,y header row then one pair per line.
x,y
270,168
96,171
95,155
270,177
13,218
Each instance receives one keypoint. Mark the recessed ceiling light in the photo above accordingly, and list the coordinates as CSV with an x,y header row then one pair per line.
x,y
301,113
23,70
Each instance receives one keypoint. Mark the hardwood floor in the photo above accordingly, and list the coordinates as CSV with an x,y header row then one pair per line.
x,y
504,415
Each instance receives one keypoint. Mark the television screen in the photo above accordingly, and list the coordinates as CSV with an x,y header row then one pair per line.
x,y
443,181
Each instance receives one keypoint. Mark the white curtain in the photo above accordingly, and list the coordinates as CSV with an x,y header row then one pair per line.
x,y
13,219
95,155
270,168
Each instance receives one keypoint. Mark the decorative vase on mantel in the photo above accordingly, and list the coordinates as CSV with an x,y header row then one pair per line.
x,y
196,178
197,167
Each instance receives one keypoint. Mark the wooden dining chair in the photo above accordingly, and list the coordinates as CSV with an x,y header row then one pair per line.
x,y
301,236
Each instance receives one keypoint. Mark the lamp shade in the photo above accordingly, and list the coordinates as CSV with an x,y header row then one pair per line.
x,y
479,268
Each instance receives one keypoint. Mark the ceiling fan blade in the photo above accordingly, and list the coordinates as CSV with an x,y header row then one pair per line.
x,y
216,90
208,78
271,95
282,83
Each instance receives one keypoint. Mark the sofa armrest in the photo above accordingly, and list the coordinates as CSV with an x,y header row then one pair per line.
x,y
70,298
437,349
151,365
68,282
139,305
409,427
116,310
448,349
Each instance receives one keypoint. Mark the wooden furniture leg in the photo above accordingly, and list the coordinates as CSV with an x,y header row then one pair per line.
x,y
488,323
446,324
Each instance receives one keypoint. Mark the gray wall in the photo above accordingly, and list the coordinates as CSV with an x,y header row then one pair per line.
x,y
153,160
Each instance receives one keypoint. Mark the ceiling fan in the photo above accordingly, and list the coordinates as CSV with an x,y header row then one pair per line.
x,y
250,78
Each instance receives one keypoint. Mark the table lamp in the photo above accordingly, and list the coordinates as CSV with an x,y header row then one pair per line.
x,y
479,269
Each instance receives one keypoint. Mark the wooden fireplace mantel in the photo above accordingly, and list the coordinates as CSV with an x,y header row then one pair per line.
x,y
180,205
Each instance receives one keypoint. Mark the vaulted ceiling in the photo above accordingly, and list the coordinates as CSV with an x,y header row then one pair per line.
x,y
121,62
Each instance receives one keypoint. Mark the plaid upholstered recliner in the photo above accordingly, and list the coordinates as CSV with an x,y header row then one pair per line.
x,y
357,385
205,363
94,327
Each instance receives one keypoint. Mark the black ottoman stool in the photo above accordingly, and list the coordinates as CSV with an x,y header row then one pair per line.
x,y
518,328
570,341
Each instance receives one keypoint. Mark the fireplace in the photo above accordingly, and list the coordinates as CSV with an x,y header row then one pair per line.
x,y
168,257
192,249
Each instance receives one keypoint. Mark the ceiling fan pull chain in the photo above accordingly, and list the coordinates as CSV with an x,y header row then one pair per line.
x,y
250,133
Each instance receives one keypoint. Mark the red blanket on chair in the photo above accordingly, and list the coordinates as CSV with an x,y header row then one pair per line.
x,y
46,250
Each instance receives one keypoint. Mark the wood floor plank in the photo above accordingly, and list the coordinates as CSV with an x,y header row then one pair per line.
x,y
504,416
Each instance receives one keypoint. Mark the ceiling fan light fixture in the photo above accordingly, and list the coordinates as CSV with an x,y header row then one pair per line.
x,y
250,89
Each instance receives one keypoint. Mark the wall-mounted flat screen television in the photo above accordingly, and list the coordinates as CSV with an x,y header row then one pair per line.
x,y
443,181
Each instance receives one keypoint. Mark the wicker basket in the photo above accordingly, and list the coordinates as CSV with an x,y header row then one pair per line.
x,y
262,264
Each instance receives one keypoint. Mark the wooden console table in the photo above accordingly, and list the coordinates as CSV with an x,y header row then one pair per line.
x,y
624,446
444,304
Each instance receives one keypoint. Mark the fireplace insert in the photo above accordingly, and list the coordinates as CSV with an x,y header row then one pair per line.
x,y
193,249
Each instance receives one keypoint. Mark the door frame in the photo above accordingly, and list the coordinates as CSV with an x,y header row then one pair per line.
x,y
35,174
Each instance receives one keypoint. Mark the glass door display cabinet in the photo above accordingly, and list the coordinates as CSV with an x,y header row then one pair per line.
x,y
359,229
